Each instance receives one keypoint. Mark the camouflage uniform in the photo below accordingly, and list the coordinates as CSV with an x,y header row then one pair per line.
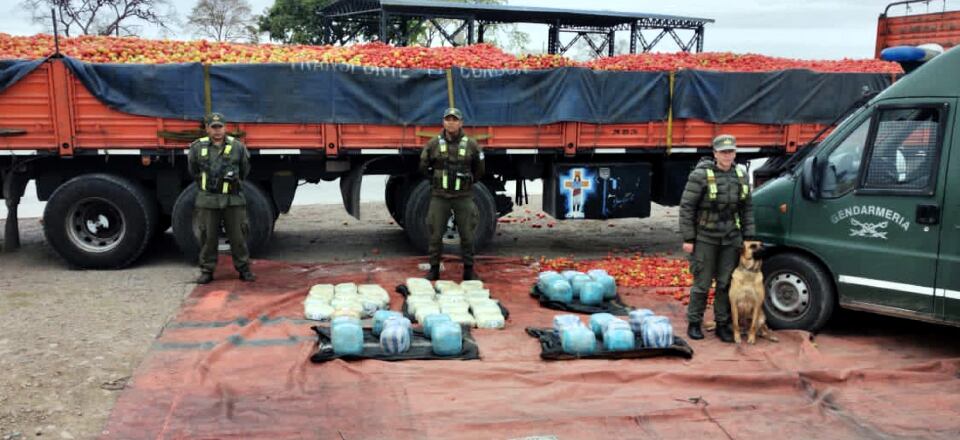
x,y
453,164
716,215
218,170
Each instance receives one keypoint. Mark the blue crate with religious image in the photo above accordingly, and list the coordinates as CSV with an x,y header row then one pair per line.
x,y
598,191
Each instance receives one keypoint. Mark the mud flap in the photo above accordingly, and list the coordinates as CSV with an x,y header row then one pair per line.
x,y
350,190
13,186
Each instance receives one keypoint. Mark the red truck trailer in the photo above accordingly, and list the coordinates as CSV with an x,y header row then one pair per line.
x,y
114,175
920,23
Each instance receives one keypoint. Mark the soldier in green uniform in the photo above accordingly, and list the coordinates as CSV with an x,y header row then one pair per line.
x,y
716,216
218,163
453,162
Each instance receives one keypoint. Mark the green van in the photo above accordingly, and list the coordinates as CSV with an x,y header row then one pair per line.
x,y
869,219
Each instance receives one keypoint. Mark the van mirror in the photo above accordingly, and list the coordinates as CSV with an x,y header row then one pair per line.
x,y
810,179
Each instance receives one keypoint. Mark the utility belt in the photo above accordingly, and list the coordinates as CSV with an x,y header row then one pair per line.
x,y
219,185
719,217
449,180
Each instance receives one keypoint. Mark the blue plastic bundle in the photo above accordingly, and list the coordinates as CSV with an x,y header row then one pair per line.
x,y
594,272
578,282
380,316
544,279
637,317
614,323
598,321
347,336
561,322
402,320
446,338
340,319
561,291
657,332
618,337
591,293
395,337
569,274
430,320
578,340
609,284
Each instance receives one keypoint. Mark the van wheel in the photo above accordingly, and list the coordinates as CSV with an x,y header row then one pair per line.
x,y
99,221
259,215
800,293
418,231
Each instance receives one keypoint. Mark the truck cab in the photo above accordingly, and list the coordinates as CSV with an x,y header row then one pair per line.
x,y
869,219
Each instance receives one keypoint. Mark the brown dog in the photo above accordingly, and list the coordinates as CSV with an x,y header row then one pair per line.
x,y
747,294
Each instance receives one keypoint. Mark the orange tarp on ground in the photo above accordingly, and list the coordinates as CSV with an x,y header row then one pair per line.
x,y
234,364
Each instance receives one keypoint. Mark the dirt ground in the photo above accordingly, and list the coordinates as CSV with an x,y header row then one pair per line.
x,y
70,339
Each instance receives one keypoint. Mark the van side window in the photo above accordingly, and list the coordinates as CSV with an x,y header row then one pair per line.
x,y
843,164
905,150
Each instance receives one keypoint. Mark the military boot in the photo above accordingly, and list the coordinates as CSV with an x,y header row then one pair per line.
x,y
724,332
469,274
693,331
248,276
434,273
205,278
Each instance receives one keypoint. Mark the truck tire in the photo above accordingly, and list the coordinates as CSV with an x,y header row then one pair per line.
x,y
396,194
391,196
259,215
800,293
99,221
419,232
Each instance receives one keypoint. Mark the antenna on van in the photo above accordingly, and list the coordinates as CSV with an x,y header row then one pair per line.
x,y
56,33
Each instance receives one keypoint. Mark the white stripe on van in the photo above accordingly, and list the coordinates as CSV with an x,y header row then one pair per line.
x,y
889,285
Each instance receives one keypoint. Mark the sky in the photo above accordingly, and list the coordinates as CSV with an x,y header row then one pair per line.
x,y
808,29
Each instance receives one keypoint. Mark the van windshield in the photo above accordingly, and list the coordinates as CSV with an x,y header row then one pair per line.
x,y
802,153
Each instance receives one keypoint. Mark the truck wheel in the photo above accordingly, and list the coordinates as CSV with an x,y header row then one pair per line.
x,y
187,233
800,293
396,195
419,232
99,221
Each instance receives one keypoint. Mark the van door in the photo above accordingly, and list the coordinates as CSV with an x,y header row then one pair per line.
x,y
873,224
947,301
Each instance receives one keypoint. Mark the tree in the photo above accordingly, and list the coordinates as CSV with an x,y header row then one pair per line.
x,y
100,17
298,22
223,20
294,21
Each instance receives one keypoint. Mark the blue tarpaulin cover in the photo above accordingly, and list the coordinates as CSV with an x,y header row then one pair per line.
x,y
12,71
525,97
326,93
782,97
312,93
160,90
